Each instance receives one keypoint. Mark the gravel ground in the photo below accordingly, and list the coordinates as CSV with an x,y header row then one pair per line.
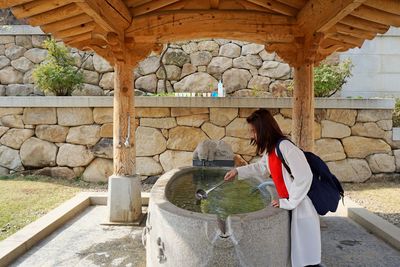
x,y
381,198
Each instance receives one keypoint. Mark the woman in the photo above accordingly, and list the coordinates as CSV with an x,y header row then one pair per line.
x,y
305,230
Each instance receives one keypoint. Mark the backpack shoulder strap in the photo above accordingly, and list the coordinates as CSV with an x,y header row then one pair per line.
x,y
280,156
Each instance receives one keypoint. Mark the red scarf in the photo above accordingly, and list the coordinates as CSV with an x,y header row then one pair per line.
x,y
275,167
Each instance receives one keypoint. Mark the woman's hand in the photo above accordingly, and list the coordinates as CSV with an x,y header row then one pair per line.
x,y
275,203
230,176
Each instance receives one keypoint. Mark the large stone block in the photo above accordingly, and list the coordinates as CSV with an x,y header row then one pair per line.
x,y
245,112
208,46
213,131
360,147
74,116
15,137
200,58
91,77
350,170
259,83
74,155
147,83
176,57
396,154
107,81
192,120
52,133
275,70
332,129
9,75
252,49
22,64
14,51
175,159
23,40
38,153
386,125
98,171
196,82
101,65
185,138
284,123
148,166
230,50
240,146
88,90
236,79
379,163
372,115
103,149
12,121
10,111
36,55
19,89
106,130
102,115
152,112
10,159
368,129
173,73
3,130
4,61
84,135
238,128
222,116
161,123
149,66
329,149
59,172
190,47
36,116
187,69
149,142
178,112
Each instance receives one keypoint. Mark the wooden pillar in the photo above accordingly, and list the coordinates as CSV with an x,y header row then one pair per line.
x,y
303,107
124,199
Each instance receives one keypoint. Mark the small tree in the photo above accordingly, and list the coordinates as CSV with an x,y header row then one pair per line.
x,y
57,74
329,79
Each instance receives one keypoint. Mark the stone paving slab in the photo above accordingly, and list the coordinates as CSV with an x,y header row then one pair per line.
x,y
85,242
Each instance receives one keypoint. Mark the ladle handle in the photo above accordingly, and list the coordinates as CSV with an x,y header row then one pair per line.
x,y
219,184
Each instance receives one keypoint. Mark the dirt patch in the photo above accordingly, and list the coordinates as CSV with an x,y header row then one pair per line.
x,y
381,198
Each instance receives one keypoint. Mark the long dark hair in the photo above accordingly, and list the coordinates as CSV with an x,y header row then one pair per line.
x,y
267,130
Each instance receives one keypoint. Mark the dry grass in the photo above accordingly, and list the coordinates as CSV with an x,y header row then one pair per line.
x,y
381,198
23,199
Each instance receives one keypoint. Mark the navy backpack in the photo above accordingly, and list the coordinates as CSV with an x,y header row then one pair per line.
x,y
326,190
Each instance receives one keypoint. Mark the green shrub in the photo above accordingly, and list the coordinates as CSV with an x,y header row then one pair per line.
x,y
57,74
329,79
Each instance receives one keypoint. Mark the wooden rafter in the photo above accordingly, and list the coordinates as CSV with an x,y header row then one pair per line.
x,y
11,3
151,6
214,4
58,14
319,16
276,6
83,28
66,23
384,5
38,7
353,31
364,24
298,4
251,6
376,15
106,15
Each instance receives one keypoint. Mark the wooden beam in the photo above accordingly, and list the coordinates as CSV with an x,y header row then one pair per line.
x,y
364,24
390,6
298,4
349,30
105,15
320,15
214,4
151,6
276,6
11,3
303,107
83,28
78,38
121,8
172,26
376,15
66,23
58,14
251,6
346,39
37,7
135,3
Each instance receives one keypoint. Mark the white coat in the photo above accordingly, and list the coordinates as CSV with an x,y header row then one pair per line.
x,y
305,229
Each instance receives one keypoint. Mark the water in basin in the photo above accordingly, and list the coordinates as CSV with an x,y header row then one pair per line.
x,y
230,198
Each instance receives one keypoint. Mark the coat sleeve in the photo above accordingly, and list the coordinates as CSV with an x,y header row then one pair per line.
x,y
257,170
301,172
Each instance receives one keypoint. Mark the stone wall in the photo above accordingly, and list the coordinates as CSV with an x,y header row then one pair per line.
x,y
193,66
60,140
